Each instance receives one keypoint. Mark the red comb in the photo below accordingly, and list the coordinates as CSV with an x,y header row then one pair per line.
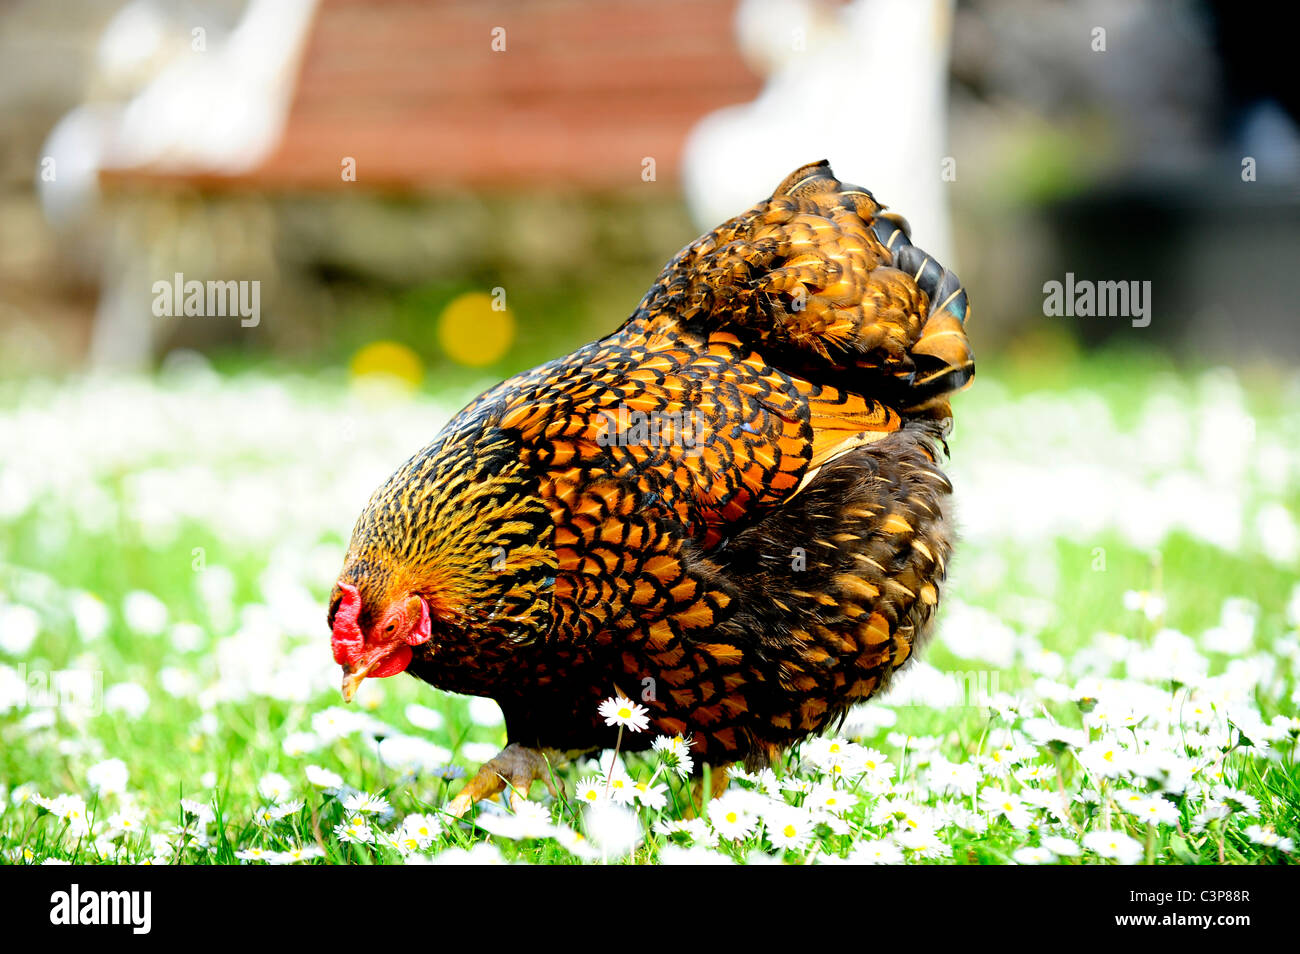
x,y
347,639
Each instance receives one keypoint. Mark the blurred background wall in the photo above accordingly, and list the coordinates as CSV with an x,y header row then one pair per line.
x,y
380,167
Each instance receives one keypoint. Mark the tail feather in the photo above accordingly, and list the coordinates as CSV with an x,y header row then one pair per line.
x,y
821,274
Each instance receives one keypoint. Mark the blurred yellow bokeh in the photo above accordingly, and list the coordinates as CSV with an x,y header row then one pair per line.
x,y
390,360
476,328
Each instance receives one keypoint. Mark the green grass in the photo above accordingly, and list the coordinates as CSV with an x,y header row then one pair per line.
x,y
1048,587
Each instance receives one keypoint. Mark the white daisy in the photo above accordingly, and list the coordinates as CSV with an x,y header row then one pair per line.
x,y
653,797
355,831
876,852
322,777
788,829
923,842
1030,855
589,789
828,799
729,816
1061,847
675,753
621,711
363,803
1115,845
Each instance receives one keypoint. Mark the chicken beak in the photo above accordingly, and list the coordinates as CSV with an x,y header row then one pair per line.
x,y
352,679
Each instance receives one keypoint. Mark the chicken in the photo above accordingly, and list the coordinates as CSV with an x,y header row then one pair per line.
x,y
730,509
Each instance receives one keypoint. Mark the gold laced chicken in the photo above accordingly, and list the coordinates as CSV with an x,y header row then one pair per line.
x,y
730,510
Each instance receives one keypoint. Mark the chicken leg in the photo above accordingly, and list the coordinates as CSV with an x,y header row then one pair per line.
x,y
515,766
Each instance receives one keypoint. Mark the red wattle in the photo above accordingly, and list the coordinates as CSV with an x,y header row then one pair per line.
x,y
397,662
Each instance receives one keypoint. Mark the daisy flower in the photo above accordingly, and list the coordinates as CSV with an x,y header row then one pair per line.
x,y
1046,732
694,855
900,813
355,831
335,723
696,829
68,808
590,789
1105,758
534,820
675,753
623,712
273,786
828,799
999,762
613,829
828,753
1237,800
300,743
789,829
621,788
1061,847
1154,809
923,842
322,777
879,851
254,854
1150,605
1269,838
729,817
1035,773
952,813
1004,804
1114,845
363,803
764,780
281,810
484,853
529,820
1030,855
422,717
423,828
126,821
953,777
653,797
108,777
302,853
1049,801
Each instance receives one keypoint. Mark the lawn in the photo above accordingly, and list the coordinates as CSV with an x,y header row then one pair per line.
x,y
1113,679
